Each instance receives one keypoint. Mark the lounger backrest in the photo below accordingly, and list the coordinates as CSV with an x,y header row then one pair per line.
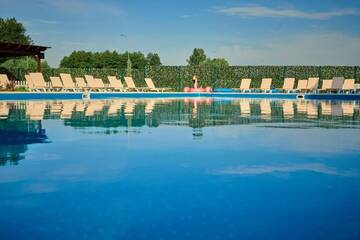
x,y
56,82
266,84
150,83
91,81
326,84
4,80
29,81
349,84
38,80
114,82
312,84
67,80
337,83
129,82
80,82
99,83
302,84
245,83
289,83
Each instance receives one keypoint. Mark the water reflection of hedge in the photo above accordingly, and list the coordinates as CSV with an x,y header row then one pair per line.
x,y
212,114
227,77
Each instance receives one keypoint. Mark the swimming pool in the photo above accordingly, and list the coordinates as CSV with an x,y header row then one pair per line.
x,y
189,168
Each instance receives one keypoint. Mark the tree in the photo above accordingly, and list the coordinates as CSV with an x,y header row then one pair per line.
x,y
198,57
153,59
128,67
26,63
107,59
78,59
12,31
216,62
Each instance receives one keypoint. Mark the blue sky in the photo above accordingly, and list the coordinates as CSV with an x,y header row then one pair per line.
x,y
245,32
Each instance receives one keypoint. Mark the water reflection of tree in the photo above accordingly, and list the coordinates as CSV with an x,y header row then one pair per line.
x,y
16,133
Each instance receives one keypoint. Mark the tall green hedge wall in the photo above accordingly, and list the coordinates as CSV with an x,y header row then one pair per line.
x,y
178,77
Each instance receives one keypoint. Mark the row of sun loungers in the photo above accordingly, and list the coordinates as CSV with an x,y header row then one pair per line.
x,y
65,82
337,85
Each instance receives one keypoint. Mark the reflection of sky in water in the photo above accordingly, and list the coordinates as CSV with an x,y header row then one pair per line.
x,y
145,175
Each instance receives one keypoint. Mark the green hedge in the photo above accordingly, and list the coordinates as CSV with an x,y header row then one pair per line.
x,y
178,77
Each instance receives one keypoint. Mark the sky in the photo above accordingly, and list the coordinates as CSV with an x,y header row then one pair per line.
x,y
277,32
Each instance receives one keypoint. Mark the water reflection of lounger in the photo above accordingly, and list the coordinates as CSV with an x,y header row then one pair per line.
x,y
35,110
68,107
333,109
80,107
4,110
55,108
129,108
288,109
312,109
245,108
149,107
265,109
348,109
93,107
114,107
301,107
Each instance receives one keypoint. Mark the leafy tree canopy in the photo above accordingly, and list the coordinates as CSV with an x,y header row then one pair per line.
x,y
27,63
12,31
216,62
153,59
107,59
198,57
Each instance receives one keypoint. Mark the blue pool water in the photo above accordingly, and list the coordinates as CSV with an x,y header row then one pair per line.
x,y
196,168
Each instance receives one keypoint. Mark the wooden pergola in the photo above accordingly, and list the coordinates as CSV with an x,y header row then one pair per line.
x,y
10,50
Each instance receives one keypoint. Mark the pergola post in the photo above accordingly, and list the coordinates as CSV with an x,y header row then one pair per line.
x,y
38,61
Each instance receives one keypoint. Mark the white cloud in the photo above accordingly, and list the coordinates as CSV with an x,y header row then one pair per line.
x,y
262,169
260,11
306,49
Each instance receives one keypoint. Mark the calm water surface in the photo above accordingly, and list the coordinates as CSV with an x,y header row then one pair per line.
x,y
179,169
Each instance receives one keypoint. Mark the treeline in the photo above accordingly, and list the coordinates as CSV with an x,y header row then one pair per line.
x,y
108,59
